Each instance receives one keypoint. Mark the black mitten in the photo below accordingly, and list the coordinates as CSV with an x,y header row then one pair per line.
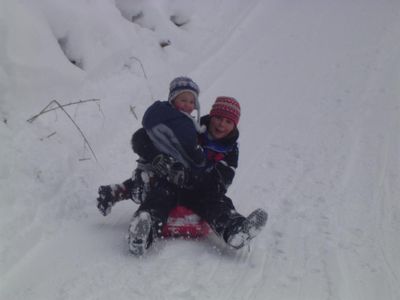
x,y
105,200
166,167
162,164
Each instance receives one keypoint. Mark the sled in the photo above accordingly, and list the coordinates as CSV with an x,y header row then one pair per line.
x,y
184,222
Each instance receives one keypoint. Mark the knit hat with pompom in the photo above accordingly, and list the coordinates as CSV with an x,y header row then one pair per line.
x,y
227,107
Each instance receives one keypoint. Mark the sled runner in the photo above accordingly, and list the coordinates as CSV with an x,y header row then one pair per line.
x,y
184,222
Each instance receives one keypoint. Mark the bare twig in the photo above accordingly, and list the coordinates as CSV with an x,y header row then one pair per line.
x,y
49,136
141,65
132,108
72,120
83,159
45,110
144,74
41,112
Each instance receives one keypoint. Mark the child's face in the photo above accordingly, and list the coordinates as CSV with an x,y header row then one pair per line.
x,y
220,127
185,102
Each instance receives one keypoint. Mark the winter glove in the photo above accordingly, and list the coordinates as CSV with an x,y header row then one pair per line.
x,y
166,167
161,164
105,200
225,173
109,195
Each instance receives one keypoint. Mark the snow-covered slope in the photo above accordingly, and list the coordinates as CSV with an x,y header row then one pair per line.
x,y
318,82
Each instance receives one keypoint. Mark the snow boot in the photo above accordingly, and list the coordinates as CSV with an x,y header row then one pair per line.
x,y
140,233
241,233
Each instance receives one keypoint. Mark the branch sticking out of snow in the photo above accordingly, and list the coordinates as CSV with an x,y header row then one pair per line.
x,y
132,108
47,109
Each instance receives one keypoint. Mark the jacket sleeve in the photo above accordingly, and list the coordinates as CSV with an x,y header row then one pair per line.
x,y
143,146
227,166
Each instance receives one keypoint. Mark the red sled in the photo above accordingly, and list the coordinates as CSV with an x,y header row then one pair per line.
x,y
184,222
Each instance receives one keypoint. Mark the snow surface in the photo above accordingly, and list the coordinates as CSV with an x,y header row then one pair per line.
x,y
319,84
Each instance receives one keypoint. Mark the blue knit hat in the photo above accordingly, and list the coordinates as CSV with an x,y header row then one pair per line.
x,y
184,84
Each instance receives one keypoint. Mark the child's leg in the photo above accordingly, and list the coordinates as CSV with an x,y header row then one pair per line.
x,y
239,234
152,214
134,188
221,215
218,213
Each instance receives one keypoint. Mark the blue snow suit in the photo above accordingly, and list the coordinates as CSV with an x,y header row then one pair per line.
x,y
174,133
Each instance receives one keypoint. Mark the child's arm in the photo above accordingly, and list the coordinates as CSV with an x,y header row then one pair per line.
x,y
173,132
143,146
162,165
227,166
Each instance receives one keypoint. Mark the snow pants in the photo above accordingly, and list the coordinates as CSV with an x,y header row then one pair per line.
x,y
218,211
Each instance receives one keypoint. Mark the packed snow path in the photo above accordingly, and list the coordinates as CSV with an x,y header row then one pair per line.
x,y
320,151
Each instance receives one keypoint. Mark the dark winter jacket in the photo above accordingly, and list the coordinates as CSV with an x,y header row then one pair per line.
x,y
222,160
174,133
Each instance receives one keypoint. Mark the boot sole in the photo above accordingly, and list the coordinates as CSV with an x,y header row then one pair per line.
x,y
139,233
252,226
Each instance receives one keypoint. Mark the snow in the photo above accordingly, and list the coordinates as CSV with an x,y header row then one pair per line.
x,y
318,82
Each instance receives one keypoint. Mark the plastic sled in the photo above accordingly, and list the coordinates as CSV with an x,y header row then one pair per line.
x,y
184,222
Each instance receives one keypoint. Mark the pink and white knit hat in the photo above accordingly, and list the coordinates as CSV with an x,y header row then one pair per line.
x,y
227,107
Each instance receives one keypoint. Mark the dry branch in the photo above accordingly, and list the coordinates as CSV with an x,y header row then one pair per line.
x,y
67,114
141,65
132,108
144,74
45,110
